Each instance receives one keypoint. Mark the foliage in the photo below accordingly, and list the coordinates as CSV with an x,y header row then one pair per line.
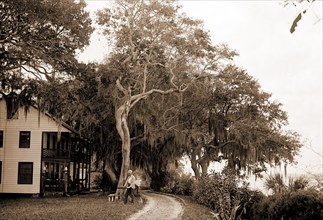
x,y
297,200
302,204
41,37
85,102
229,117
247,124
156,154
248,198
298,183
275,183
184,94
179,184
175,92
222,193
38,42
157,50
158,179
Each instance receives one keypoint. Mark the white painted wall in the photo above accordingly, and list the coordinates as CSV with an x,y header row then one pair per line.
x,y
11,154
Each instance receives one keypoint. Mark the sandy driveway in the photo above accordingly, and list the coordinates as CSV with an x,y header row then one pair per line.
x,y
159,207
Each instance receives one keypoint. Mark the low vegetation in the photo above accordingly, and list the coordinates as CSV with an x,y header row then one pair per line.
x,y
228,197
220,196
194,211
302,204
75,207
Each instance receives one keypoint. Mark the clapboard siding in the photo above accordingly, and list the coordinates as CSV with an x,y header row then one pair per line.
x,y
36,122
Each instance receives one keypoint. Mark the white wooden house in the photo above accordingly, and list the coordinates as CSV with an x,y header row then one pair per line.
x,y
35,149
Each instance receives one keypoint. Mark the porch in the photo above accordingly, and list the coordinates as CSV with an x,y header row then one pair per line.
x,y
66,160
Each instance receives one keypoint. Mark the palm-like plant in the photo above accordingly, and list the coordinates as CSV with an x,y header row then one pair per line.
x,y
275,183
298,183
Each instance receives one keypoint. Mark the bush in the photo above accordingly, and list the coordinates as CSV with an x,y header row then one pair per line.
x,y
215,189
248,200
179,185
221,193
184,186
302,204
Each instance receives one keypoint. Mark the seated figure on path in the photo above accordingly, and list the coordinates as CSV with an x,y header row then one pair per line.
x,y
130,185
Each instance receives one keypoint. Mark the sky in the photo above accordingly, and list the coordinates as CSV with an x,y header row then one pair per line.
x,y
289,66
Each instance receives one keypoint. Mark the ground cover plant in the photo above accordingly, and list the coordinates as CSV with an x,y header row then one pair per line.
x,y
74,207
86,207
194,211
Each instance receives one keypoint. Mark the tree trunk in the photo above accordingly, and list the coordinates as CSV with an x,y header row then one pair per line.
x,y
195,165
195,168
204,165
121,117
111,172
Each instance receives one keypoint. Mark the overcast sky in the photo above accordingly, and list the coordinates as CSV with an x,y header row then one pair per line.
x,y
289,66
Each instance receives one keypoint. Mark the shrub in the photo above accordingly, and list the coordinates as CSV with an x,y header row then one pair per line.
x,y
221,193
248,198
302,204
179,185
184,186
211,190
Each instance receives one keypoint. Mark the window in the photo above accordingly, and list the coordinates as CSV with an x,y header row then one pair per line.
x,y
48,140
24,139
0,170
1,138
25,173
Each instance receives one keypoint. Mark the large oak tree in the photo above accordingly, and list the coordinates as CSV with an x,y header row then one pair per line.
x,y
152,42
233,119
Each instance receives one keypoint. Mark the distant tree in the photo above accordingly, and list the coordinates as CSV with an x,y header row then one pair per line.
x,y
231,118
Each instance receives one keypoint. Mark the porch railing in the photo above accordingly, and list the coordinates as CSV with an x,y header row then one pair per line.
x,y
57,154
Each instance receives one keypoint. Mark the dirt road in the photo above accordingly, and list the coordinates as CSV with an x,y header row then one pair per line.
x,y
159,207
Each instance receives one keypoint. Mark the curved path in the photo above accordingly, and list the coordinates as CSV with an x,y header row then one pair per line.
x,y
159,207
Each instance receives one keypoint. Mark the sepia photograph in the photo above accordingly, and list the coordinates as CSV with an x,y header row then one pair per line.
x,y
161,109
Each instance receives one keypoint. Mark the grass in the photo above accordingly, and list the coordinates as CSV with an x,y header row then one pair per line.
x,y
75,207
93,206
195,211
